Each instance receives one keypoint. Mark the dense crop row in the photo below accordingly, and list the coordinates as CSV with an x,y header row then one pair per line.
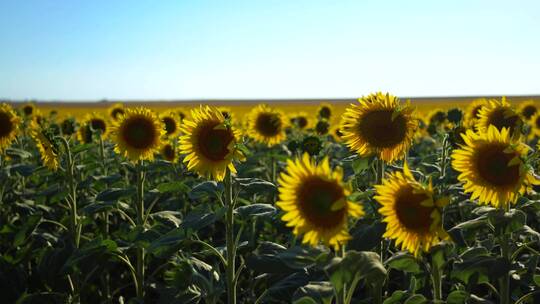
x,y
384,204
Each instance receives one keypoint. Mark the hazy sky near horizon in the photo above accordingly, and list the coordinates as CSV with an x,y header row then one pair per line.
x,y
69,49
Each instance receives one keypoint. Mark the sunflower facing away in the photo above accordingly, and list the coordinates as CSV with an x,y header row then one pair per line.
x,y
379,125
9,126
411,211
116,110
47,149
138,134
499,114
492,168
315,203
267,125
209,143
93,124
172,127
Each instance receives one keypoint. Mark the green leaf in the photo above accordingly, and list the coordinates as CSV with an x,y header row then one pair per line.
x,y
322,291
364,265
457,297
396,298
507,222
405,262
416,299
175,186
255,210
305,300
360,164
536,279
169,242
114,194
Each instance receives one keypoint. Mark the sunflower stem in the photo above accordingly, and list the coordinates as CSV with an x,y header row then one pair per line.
x,y
72,199
436,281
504,282
380,171
140,224
444,156
105,217
230,240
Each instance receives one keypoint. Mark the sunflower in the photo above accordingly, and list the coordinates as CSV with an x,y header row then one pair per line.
x,y
412,212
473,111
28,109
528,109
499,114
322,127
9,126
535,124
300,120
324,111
226,112
315,203
172,127
267,125
209,143
492,167
68,126
379,125
138,134
168,152
116,111
92,125
47,148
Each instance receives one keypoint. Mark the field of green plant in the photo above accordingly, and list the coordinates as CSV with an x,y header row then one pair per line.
x,y
379,202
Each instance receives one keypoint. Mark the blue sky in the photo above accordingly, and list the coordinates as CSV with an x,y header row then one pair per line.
x,y
68,49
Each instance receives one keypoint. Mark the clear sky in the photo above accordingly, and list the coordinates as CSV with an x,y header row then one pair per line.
x,y
94,49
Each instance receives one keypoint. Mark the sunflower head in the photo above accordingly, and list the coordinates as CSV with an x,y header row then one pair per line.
x,y
9,126
472,114
322,127
168,152
528,109
315,202
499,114
311,145
68,126
324,111
267,125
300,120
492,167
379,125
171,124
535,124
137,134
93,125
116,111
437,117
28,109
412,212
454,115
47,147
209,143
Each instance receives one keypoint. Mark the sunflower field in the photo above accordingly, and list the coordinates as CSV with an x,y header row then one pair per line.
x,y
377,201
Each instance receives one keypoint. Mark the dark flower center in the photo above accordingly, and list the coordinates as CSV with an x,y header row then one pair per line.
x,y
322,127
98,124
325,112
139,132
268,124
500,119
116,112
168,152
492,166
410,212
28,110
528,111
170,125
214,143
380,131
6,126
316,197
